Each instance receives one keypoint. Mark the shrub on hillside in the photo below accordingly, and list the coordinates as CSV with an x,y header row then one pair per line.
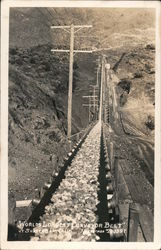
x,y
123,99
11,60
18,60
47,66
13,51
55,135
125,84
75,65
32,60
150,46
138,75
150,122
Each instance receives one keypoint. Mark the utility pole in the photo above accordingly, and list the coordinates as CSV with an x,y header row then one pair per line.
x,y
97,74
91,98
95,87
107,85
89,107
72,29
70,81
101,90
98,69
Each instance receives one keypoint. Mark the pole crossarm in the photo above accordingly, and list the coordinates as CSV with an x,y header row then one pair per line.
x,y
83,51
89,96
89,105
92,90
60,50
94,86
75,51
69,26
60,27
87,36
79,27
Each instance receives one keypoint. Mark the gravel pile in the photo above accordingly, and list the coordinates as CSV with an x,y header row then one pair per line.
x,y
72,215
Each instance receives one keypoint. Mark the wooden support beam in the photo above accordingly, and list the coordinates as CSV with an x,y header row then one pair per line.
x,y
133,223
124,216
23,203
146,223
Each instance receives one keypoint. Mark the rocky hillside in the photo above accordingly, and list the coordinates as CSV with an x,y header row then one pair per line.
x,y
136,70
38,90
35,120
140,104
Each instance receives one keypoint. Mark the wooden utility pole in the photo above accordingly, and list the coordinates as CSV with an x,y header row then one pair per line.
x,y
91,98
94,100
101,89
89,110
97,74
98,69
73,30
70,81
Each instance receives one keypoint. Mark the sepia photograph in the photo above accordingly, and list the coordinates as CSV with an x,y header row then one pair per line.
x,y
81,157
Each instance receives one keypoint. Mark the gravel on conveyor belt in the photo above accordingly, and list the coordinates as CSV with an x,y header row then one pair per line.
x,y
72,215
